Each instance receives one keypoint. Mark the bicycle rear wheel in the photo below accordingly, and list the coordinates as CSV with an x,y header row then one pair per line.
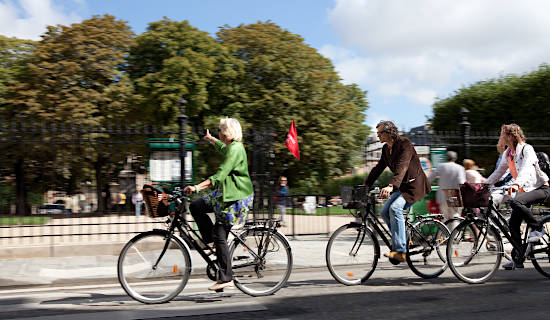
x,y
474,259
261,261
140,278
540,251
426,248
352,254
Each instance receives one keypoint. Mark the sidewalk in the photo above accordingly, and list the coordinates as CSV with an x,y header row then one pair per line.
x,y
308,251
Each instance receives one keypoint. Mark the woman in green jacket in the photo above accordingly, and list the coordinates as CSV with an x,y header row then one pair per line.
x,y
231,200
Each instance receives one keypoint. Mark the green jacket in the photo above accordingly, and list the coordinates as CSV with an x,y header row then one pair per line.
x,y
233,172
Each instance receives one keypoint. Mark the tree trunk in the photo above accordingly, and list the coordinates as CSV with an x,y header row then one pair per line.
x,y
21,207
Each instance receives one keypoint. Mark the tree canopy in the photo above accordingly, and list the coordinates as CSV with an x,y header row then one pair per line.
x,y
285,80
522,99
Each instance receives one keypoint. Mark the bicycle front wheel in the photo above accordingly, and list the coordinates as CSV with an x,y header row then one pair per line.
x,y
261,261
154,267
352,254
426,248
540,251
474,251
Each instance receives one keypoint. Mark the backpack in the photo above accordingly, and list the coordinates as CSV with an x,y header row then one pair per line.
x,y
544,162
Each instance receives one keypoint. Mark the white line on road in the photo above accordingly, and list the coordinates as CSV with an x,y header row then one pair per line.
x,y
157,313
97,286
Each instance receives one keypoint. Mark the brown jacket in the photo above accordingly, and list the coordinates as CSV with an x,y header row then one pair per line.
x,y
408,175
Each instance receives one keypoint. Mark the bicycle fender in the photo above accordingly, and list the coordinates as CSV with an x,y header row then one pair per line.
x,y
281,234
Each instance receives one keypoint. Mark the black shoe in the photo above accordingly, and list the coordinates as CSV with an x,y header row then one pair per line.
x,y
511,265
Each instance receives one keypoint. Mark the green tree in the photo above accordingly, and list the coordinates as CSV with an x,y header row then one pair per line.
x,y
76,77
174,60
14,54
522,99
286,79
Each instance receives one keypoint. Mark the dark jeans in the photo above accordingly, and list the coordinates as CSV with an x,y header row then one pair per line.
x,y
521,211
216,233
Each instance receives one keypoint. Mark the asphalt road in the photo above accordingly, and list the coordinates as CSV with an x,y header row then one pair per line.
x,y
393,292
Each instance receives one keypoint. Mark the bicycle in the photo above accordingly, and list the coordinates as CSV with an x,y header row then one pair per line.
x,y
476,259
154,266
353,250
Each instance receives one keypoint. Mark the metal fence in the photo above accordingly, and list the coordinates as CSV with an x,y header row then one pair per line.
x,y
82,169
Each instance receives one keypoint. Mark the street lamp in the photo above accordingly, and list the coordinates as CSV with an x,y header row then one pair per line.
x,y
465,132
182,119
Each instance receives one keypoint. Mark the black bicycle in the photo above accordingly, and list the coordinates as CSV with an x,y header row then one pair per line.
x,y
353,250
475,247
154,266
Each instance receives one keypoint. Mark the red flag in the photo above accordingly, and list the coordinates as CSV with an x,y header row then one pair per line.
x,y
292,141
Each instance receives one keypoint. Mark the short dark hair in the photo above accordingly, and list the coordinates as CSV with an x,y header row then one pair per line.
x,y
389,127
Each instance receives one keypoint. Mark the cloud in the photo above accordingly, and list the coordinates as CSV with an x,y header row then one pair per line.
x,y
423,48
27,19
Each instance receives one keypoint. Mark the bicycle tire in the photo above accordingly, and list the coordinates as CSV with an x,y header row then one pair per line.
x,y
145,284
540,252
352,254
426,248
474,261
264,272
455,220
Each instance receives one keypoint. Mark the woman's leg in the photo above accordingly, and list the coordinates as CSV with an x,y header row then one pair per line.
x,y
222,252
199,209
521,202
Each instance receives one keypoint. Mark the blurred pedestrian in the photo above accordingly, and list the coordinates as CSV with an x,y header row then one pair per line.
x,y
137,200
472,173
282,198
451,175
120,201
408,185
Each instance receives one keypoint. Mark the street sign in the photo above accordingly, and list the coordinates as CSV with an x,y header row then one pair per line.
x,y
438,155
165,162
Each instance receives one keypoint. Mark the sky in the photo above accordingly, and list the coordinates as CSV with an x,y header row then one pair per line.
x,y
405,54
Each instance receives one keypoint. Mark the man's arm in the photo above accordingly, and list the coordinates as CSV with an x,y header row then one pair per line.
x,y
376,171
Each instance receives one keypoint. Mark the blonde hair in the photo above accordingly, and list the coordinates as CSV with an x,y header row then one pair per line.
x,y
468,164
231,129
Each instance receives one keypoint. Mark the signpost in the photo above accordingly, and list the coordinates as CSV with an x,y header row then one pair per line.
x,y
438,155
165,163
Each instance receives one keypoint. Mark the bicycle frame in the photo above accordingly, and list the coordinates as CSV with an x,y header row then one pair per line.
x,y
369,218
188,234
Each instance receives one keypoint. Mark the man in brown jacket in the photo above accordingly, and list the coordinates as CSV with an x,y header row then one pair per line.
x,y
409,183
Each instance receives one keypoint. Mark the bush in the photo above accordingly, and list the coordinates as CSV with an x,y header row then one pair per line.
x,y
332,186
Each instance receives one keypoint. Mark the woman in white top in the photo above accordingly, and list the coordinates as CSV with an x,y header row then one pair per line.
x,y
472,175
529,180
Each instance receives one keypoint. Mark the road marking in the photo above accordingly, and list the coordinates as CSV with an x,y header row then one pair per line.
x,y
98,286
151,313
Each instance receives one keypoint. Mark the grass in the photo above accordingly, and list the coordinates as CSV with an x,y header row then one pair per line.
x,y
23,220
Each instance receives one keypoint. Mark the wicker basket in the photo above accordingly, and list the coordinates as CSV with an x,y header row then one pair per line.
x,y
156,201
